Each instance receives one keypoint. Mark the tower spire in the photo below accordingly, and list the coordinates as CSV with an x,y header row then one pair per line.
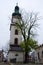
x,y
17,4
16,11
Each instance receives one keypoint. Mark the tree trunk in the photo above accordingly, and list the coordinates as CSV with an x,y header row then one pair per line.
x,y
26,52
26,55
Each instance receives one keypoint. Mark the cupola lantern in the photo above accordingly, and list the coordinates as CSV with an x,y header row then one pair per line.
x,y
17,10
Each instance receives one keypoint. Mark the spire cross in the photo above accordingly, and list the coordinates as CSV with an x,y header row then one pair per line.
x,y
17,4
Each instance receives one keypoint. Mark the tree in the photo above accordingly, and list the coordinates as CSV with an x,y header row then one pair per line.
x,y
32,44
27,25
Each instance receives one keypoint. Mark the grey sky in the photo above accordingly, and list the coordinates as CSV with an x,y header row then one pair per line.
x,y
7,8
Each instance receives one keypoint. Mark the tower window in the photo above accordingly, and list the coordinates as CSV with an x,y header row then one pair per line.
x,y
16,32
13,60
16,54
16,41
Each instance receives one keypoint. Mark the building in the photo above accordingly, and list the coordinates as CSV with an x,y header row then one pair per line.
x,y
16,53
39,54
1,55
33,56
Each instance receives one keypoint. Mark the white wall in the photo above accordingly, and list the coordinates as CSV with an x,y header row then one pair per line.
x,y
40,49
13,36
11,54
19,58
12,33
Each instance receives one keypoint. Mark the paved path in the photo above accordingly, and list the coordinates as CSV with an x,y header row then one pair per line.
x,y
2,63
17,64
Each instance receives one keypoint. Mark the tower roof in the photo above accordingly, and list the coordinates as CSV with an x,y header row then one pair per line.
x,y
16,48
16,11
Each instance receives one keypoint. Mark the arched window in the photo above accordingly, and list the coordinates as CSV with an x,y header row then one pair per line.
x,y
16,41
16,32
16,54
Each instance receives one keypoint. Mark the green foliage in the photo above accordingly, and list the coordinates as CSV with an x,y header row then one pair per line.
x,y
31,44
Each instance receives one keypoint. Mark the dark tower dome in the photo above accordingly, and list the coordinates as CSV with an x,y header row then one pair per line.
x,y
16,12
16,9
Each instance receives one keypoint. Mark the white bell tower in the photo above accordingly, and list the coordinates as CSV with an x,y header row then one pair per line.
x,y
16,53
15,33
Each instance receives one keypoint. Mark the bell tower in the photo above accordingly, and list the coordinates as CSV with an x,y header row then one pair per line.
x,y
16,53
15,33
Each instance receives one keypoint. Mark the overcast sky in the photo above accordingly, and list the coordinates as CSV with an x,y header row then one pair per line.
x,y
6,10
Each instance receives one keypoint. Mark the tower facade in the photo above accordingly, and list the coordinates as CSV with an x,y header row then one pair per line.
x,y
15,33
16,53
